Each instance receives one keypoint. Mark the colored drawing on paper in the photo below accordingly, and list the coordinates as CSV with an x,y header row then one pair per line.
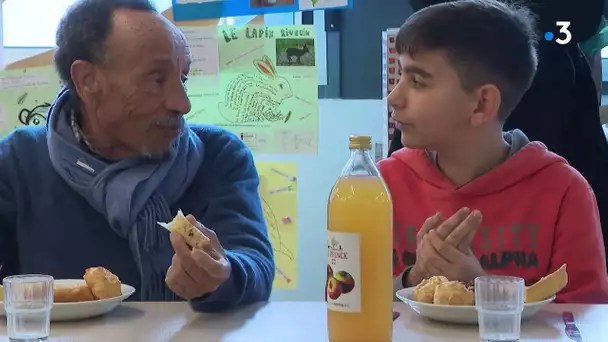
x,y
25,97
278,189
36,114
266,91
256,97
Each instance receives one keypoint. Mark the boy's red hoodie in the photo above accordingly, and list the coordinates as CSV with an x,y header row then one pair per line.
x,y
538,214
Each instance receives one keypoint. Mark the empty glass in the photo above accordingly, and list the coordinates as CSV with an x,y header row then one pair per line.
x,y
499,301
28,300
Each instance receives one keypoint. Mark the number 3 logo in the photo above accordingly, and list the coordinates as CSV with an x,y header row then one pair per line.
x,y
563,29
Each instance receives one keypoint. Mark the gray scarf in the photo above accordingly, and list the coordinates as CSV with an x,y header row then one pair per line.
x,y
133,194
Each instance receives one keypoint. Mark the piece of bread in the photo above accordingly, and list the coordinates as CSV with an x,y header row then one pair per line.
x,y
453,293
71,294
193,236
547,286
103,283
425,291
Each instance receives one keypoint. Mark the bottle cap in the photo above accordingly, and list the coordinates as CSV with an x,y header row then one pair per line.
x,y
360,142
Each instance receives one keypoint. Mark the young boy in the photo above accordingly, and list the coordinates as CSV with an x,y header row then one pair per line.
x,y
465,66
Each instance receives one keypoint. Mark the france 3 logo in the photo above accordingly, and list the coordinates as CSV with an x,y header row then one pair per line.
x,y
564,36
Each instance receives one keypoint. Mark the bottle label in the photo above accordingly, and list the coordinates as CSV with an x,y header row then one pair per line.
x,y
343,284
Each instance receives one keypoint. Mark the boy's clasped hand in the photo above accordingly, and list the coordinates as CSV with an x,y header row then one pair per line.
x,y
444,248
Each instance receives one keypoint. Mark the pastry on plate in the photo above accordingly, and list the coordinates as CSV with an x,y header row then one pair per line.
x,y
103,283
425,291
71,294
438,290
453,293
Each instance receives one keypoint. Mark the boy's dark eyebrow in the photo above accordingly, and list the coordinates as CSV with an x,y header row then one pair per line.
x,y
412,69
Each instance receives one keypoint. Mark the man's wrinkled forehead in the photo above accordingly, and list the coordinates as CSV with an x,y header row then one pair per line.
x,y
147,34
180,44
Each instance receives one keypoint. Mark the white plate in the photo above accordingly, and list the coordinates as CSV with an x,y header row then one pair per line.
x,y
462,314
82,310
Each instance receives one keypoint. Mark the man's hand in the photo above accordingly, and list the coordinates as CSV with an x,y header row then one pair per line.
x,y
196,272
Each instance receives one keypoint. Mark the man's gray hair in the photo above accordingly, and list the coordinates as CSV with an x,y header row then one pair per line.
x,y
84,29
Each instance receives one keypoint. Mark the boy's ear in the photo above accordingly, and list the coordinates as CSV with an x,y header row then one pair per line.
x,y
488,103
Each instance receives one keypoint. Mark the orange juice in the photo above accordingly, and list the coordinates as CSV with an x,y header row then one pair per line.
x,y
359,286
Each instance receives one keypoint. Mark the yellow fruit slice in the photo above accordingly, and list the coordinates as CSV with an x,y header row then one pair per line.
x,y
1,294
547,286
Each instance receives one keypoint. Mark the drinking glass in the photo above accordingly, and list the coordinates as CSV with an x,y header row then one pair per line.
x,y
28,300
499,301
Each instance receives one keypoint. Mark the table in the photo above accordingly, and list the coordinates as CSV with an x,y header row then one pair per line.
x,y
296,322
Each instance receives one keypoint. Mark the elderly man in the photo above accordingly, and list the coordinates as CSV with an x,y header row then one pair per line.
x,y
116,158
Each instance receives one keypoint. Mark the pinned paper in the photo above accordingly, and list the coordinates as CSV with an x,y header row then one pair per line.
x,y
281,214
284,275
25,79
263,86
323,4
195,1
204,49
288,177
25,96
4,119
185,10
283,189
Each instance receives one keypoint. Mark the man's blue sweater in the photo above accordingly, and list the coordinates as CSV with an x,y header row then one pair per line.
x,y
46,227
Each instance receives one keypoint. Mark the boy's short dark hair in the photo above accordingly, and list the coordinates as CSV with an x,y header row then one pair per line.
x,y
485,41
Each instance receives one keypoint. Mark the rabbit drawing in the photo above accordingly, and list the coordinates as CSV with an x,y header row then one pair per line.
x,y
256,97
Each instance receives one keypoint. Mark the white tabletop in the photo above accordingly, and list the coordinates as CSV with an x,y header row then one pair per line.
x,y
297,322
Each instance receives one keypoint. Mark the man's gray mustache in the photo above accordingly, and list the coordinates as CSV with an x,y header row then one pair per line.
x,y
169,121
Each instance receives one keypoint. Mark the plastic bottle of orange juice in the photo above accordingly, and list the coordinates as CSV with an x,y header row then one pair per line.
x,y
359,286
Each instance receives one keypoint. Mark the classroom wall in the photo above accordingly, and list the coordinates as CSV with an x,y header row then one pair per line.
x,y
338,119
361,45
